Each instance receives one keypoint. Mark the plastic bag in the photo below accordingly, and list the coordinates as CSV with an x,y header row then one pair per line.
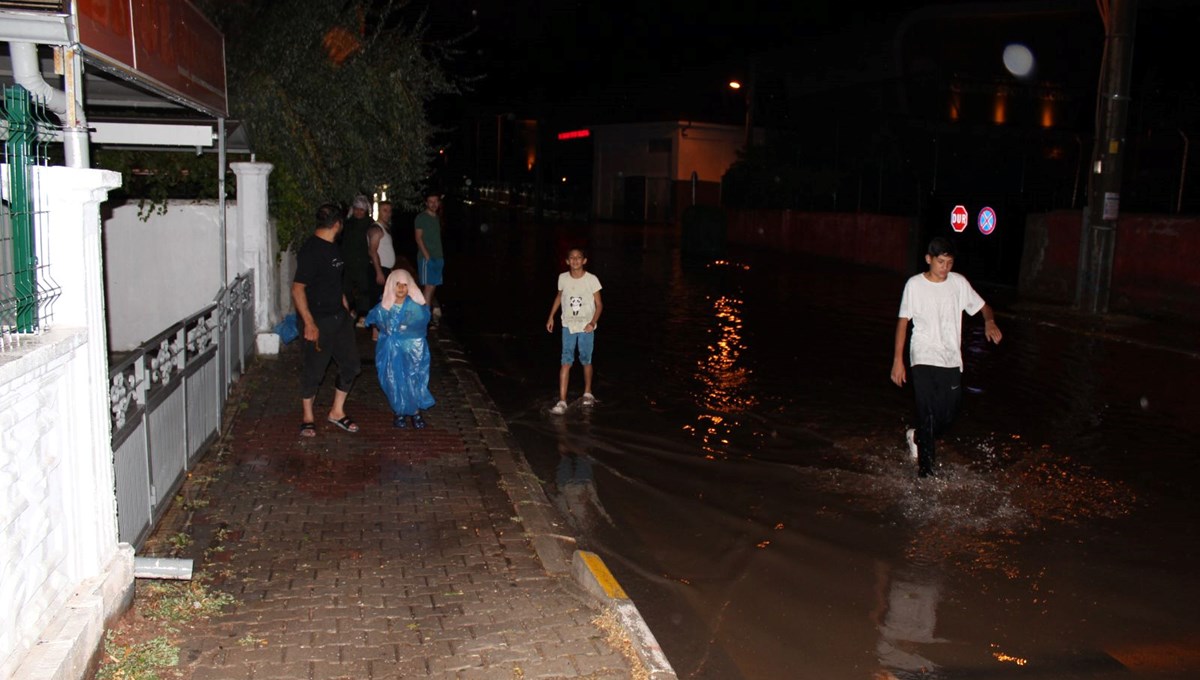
x,y
288,329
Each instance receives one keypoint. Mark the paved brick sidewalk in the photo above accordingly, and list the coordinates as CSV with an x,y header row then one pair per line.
x,y
384,554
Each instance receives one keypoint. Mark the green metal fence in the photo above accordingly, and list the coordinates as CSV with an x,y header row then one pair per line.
x,y
27,290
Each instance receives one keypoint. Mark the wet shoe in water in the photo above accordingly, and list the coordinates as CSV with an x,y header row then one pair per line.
x,y
418,422
910,436
588,399
559,408
400,422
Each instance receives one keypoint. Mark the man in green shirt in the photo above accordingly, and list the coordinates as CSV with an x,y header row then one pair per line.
x,y
427,229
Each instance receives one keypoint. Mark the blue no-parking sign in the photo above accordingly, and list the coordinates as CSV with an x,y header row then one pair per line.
x,y
987,221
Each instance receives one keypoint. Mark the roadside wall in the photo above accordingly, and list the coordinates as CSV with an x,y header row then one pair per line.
x,y
863,238
1154,265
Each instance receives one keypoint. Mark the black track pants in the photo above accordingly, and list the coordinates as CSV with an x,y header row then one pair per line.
x,y
939,396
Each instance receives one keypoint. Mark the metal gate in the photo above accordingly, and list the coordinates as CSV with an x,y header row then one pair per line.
x,y
167,399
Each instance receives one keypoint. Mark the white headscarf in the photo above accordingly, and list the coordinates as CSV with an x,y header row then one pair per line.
x,y
389,288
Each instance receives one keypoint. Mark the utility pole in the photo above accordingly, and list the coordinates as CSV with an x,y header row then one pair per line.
x,y
1098,235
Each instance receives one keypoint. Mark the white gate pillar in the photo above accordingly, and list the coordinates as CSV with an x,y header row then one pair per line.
x,y
71,200
259,246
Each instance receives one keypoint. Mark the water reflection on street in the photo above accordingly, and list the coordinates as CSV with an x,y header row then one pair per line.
x,y
744,473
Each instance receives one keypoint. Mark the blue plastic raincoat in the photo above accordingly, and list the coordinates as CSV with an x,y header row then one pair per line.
x,y
402,355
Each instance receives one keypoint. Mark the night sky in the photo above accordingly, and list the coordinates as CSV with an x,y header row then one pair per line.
x,y
597,60
617,54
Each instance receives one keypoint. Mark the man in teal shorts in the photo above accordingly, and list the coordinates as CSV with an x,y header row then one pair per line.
x,y
427,229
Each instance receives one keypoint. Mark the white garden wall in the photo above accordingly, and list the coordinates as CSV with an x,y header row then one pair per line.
x,y
62,572
167,267
160,270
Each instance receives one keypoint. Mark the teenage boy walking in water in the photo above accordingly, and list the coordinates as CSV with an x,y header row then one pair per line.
x,y
934,302
579,297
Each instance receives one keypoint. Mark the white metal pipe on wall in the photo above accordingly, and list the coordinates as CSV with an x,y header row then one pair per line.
x,y
27,72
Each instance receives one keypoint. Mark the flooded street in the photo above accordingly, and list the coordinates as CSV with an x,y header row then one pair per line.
x,y
745,477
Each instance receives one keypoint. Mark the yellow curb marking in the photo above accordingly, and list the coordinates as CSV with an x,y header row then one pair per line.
x,y
603,576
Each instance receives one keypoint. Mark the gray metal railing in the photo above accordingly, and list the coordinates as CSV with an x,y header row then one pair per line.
x,y
167,399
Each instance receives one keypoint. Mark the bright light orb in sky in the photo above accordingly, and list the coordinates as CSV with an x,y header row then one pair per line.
x,y
1018,60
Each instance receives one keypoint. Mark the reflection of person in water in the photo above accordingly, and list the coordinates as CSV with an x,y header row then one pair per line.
x,y
906,615
573,478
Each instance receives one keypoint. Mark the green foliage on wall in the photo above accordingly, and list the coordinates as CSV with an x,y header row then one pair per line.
x,y
153,177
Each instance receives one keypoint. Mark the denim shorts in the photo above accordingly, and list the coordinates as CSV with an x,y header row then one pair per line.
x,y
584,342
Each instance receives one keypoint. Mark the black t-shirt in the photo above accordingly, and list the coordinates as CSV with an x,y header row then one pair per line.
x,y
319,266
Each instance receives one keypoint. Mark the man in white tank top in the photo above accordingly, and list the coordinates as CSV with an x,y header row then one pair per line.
x,y
379,245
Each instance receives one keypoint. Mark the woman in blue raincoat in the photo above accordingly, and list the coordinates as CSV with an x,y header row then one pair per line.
x,y
402,353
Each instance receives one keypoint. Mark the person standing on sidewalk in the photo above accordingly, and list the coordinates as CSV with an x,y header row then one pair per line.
x,y
360,275
427,230
321,304
381,252
380,248
402,355
934,301
579,297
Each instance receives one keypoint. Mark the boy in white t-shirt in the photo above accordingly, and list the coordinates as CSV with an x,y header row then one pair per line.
x,y
934,302
579,298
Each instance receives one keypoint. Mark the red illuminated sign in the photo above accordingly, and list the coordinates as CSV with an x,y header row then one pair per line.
x,y
575,134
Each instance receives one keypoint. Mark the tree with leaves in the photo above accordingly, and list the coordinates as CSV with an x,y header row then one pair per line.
x,y
334,95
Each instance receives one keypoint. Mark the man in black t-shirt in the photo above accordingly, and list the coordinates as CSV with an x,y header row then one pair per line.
x,y
328,327
359,274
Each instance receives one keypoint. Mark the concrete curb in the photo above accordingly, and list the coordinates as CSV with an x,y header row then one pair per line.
x,y
591,572
555,548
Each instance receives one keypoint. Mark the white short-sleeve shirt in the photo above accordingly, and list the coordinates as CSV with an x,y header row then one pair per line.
x,y
936,312
578,299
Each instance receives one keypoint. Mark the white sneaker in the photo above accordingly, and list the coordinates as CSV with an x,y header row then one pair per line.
x,y
559,408
910,436
589,399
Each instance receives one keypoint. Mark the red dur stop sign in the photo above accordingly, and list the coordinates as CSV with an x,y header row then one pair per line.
x,y
958,218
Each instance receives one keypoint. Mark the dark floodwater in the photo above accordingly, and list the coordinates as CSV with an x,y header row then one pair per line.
x,y
745,477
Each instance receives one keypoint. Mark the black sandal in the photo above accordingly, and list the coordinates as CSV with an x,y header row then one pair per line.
x,y
345,423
